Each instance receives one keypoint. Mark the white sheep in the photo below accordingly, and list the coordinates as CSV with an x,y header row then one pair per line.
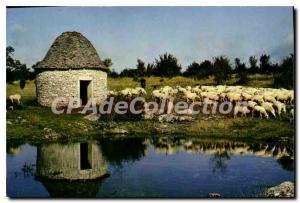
x,y
252,104
191,96
261,110
258,99
14,97
280,107
246,96
240,109
234,97
269,108
269,98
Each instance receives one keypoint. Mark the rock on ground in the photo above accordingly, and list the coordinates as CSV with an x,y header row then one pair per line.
x,y
214,195
285,189
117,131
50,133
92,117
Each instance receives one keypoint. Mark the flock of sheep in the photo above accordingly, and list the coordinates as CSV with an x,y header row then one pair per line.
x,y
262,101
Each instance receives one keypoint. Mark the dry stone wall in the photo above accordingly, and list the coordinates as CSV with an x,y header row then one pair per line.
x,y
51,84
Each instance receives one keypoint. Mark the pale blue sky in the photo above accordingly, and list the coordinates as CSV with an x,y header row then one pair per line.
x,y
127,33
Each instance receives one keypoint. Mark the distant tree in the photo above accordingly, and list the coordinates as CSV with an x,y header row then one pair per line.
x,y
285,76
107,62
237,63
15,70
206,68
166,66
129,73
199,71
149,69
253,64
222,69
265,63
192,70
112,73
141,69
242,74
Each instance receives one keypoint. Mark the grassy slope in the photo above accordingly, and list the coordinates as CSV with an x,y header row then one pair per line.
x,y
256,80
71,126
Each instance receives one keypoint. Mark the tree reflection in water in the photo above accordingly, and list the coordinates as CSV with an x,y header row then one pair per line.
x,y
219,161
77,169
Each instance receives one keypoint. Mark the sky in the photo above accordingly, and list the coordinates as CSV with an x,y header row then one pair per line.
x,y
126,34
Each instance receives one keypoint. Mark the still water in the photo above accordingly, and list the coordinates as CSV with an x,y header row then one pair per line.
x,y
147,167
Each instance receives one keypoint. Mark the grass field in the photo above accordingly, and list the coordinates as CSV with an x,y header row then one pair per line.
x,y
29,123
28,93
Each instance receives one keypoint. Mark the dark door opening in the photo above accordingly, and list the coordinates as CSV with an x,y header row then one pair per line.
x,y
84,86
84,156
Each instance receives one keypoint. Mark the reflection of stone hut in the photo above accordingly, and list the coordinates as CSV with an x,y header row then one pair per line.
x,y
71,68
76,161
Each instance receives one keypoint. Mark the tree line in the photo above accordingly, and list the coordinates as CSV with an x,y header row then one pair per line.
x,y
166,65
219,67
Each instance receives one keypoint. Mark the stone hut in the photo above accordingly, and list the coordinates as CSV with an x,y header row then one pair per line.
x,y
71,170
74,161
71,68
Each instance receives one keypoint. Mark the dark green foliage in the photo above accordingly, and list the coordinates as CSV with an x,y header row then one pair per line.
x,y
253,64
199,71
113,74
285,76
265,64
107,62
221,69
141,69
149,69
129,73
242,74
110,72
15,70
166,66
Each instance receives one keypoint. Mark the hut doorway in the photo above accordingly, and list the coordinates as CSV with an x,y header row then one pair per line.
x,y
85,89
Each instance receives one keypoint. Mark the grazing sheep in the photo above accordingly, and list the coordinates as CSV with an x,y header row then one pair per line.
x,y
191,96
240,109
234,97
246,96
157,94
269,98
261,111
258,99
269,108
252,104
14,97
280,107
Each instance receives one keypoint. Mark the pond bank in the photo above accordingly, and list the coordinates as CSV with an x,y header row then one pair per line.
x,y
35,124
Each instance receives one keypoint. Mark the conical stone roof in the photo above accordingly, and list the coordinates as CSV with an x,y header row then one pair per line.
x,y
71,50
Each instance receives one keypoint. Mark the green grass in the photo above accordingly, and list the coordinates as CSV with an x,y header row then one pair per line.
x,y
257,80
76,127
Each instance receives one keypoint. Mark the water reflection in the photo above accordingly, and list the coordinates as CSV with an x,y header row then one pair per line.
x,y
118,151
71,170
77,169
222,150
173,145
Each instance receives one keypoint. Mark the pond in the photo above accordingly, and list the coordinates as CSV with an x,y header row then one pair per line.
x,y
147,167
